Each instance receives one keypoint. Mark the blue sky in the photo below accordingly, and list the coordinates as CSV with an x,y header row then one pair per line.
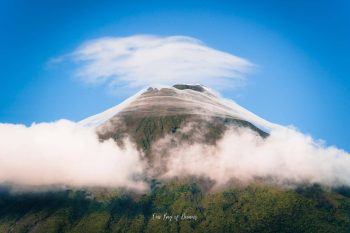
x,y
300,48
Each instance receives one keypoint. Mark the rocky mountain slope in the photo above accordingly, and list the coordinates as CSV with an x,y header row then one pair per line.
x,y
185,112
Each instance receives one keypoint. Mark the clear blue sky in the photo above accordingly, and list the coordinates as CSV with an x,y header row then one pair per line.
x,y
301,49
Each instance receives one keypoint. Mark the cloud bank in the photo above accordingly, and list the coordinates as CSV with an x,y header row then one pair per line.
x,y
64,153
141,60
286,157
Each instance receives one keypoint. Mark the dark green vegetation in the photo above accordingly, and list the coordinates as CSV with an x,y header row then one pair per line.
x,y
192,87
144,131
254,208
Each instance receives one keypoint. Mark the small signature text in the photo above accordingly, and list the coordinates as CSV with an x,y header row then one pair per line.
x,y
171,217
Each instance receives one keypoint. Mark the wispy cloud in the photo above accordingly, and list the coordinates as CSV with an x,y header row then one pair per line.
x,y
142,60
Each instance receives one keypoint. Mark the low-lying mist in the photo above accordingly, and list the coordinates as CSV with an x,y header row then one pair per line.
x,y
285,157
66,154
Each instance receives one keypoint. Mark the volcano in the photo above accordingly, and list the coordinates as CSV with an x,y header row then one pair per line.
x,y
182,114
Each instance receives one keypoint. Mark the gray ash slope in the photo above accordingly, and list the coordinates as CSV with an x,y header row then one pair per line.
x,y
185,113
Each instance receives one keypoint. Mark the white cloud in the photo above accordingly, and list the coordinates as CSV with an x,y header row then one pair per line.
x,y
143,60
64,153
286,157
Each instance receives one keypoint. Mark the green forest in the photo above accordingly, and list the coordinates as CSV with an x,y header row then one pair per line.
x,y
251,208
